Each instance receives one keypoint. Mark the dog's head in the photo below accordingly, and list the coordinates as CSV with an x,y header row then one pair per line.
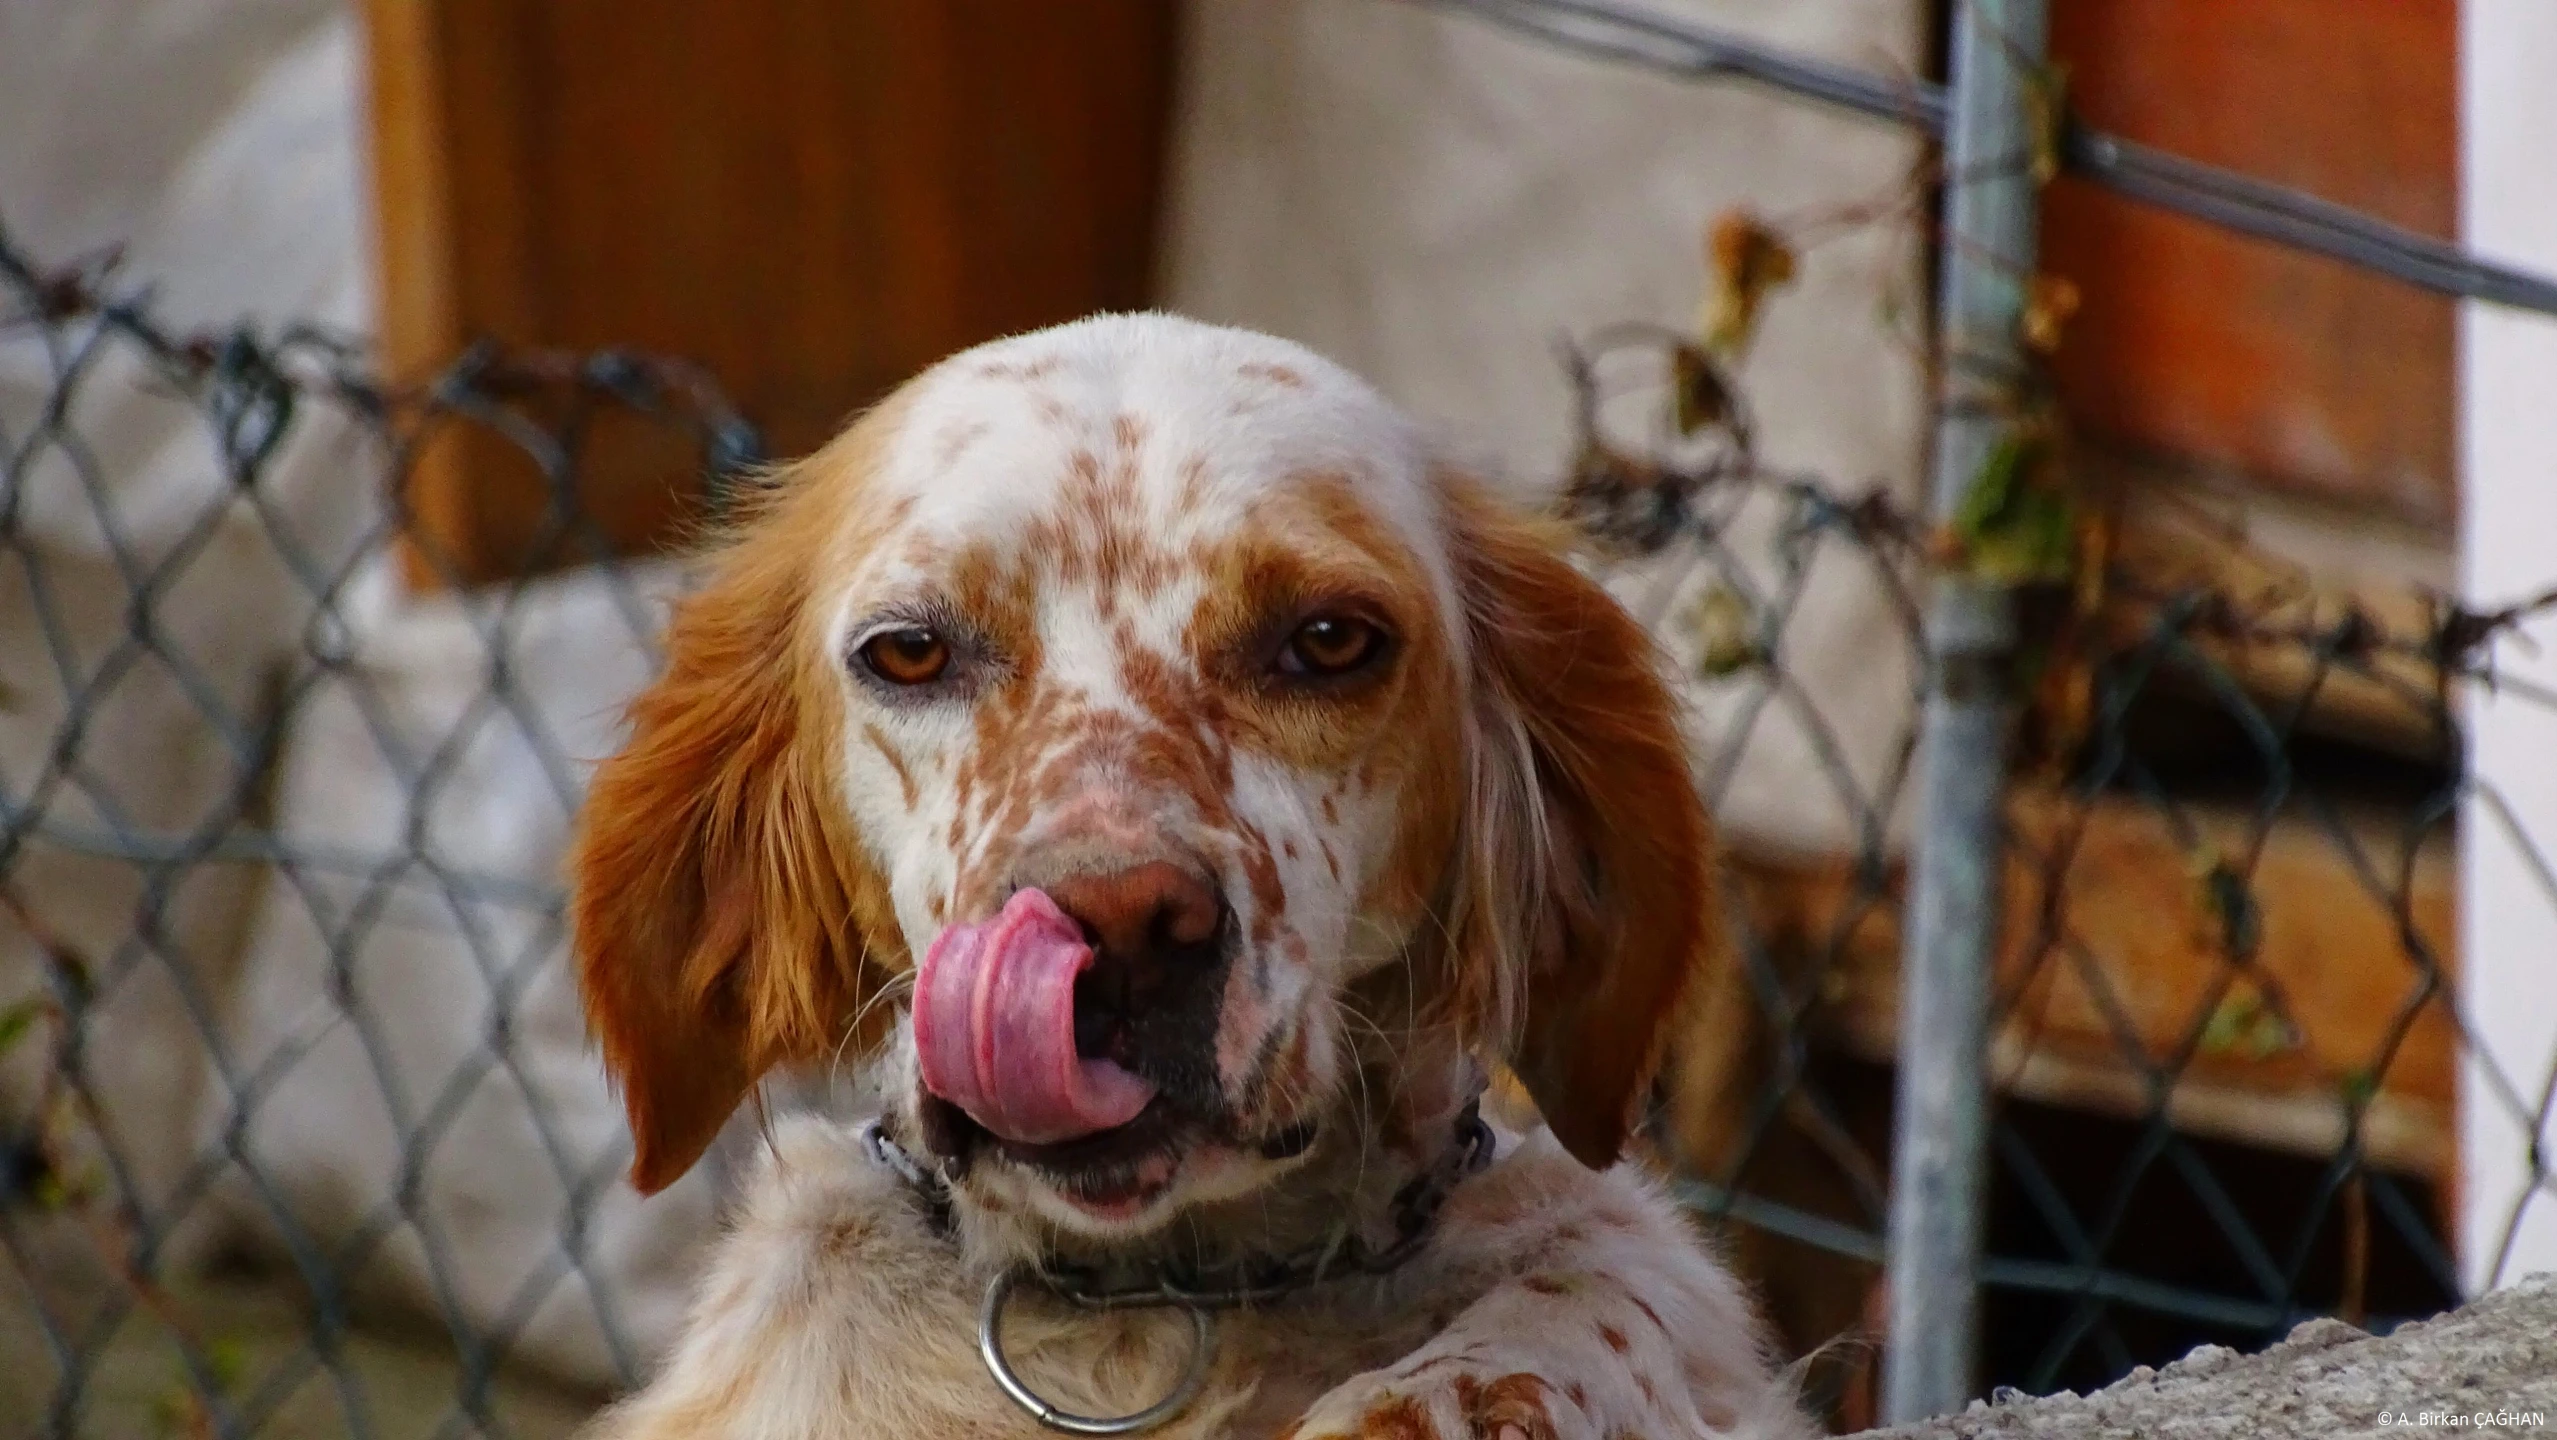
x,y
1123,699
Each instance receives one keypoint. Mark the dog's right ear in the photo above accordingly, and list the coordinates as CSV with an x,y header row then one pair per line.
x,y
726,920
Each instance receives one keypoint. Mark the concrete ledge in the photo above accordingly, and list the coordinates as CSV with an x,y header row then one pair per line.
x,y
2489,1368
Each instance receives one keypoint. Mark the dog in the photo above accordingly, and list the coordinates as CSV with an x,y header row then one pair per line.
x,y
1185,792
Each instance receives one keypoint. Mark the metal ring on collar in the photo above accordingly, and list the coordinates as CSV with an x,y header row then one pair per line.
x,y
990,1349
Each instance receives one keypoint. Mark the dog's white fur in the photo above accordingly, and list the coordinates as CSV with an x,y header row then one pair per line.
x,y
1487,853
832,1310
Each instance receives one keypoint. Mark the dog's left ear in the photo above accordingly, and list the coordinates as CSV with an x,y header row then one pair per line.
x,y
1587,859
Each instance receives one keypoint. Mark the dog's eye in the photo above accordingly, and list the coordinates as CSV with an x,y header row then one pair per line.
x,y
913,655
1330,645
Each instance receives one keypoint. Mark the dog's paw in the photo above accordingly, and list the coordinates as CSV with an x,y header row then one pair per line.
x,y
1451,1397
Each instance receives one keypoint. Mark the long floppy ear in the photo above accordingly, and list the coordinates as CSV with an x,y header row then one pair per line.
x,y
1587,856
724,916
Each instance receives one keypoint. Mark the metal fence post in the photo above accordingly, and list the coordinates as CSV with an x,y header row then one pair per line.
x,y
1940,1159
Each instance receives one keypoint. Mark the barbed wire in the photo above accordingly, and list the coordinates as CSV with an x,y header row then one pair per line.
x,y
2144,173
2108,638
281,489
1726,554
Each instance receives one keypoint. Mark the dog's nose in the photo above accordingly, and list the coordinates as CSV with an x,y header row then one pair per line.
x,y
1142,911
1153,929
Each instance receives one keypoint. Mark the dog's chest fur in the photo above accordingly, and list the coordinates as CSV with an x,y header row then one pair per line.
x,y
836,1308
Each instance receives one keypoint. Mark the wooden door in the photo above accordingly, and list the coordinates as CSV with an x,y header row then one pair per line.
x,y
811,198
2262,366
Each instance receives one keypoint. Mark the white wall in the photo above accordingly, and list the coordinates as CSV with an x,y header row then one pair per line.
x,y
2508,991
1434,202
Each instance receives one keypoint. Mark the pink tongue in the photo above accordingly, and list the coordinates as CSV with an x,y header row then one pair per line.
x,y
994,1028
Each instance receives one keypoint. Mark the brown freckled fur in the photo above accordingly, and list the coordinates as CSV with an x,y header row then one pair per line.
x,y
1192,487
956,440
1279,375
1512,1400
887,752
1097,536
1398,1418
921,553
1299,1070
727,921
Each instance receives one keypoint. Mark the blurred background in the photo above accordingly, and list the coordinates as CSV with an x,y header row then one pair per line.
x,y
361,363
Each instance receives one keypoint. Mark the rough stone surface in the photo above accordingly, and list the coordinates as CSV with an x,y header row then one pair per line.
x,y
2489,1368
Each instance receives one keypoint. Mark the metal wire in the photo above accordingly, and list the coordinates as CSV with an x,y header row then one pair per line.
x,y
105,602
2144,173
106,593
2073,1293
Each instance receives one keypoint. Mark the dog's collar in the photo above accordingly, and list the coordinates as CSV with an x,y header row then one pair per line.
x,y
1252,1280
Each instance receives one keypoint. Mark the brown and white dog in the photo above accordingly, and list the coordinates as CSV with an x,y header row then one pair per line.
x,y
1185,787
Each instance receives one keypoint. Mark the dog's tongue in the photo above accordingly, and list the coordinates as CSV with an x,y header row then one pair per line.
x,y
994,1028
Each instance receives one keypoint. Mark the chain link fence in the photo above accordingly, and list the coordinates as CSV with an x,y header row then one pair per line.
x,y
299,1134
281,801
2224,1019
2223,1038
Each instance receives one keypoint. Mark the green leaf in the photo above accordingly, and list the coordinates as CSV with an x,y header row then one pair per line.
x,y
2242,1024
2046,110
2013,528
227,1357
17,1020
1993,489
1725,631
2360,1088
2273,1034
2229,1020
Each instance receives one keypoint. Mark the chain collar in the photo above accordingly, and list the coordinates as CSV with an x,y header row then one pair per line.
x,y
931,1185
1253,1280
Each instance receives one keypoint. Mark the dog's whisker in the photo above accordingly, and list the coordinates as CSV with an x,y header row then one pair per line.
x,y
897,989
1349,1009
